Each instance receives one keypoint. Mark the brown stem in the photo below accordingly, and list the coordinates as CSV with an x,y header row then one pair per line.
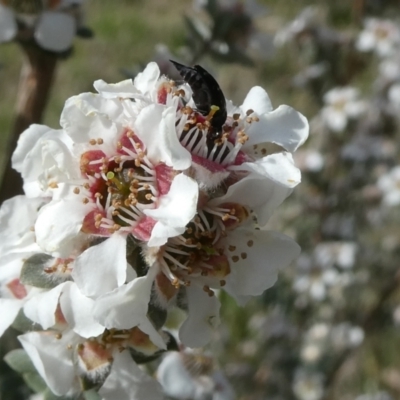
x,y
33,92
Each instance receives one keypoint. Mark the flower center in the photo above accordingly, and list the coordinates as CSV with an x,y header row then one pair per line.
x,y
196,254
122,186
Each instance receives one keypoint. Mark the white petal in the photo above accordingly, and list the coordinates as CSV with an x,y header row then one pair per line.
x,y
55,31
58,226
203,317
128,382
258,256
262,195
146,81
175,378
102,268
77,310
52,359
91,116
9,310
279,167
175,210
124,89
17,217
155,126
41,308
26,142
283,126
126,306
257,100
8,26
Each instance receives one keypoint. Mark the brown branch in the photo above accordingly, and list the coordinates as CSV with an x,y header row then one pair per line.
x,y
35,82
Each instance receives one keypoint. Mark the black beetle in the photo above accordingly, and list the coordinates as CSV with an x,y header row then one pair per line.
x,y
206,93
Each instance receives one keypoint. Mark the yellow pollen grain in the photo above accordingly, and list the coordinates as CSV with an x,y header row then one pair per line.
x,y
222,282
100,141
249,112
85,200
92,142
53,185
86,186
235,258
58,336
69,347
243,255
263,152
236,116
77,190
249,120
137,162
149,196
231,248
250,243
255,119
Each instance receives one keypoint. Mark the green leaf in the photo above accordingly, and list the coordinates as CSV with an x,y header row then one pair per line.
x,y
33,273
19,361
23,324
34,381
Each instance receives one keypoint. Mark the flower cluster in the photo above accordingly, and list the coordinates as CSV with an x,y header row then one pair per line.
x,y
137,205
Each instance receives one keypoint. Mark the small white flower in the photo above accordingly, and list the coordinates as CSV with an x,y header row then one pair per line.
x,y
308,385
189,374
341,104
54,27
389,184
379,35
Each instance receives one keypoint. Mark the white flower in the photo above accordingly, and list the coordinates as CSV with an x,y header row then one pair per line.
x,y
341,254
137,166
314,279
191,375
379,35
54,27
389,184
64,358
308,385
341,104
17,243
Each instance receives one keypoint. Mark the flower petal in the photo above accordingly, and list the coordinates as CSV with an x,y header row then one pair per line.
x,y
126,306
41,308
10,309
155,126
58,226
263,196
128,382
77,310
147,80
203,317
256,259
53,359
284,126
124,89
175,210
257,100
101,268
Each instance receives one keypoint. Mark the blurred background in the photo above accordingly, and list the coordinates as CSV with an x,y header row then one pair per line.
x,y
330,327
